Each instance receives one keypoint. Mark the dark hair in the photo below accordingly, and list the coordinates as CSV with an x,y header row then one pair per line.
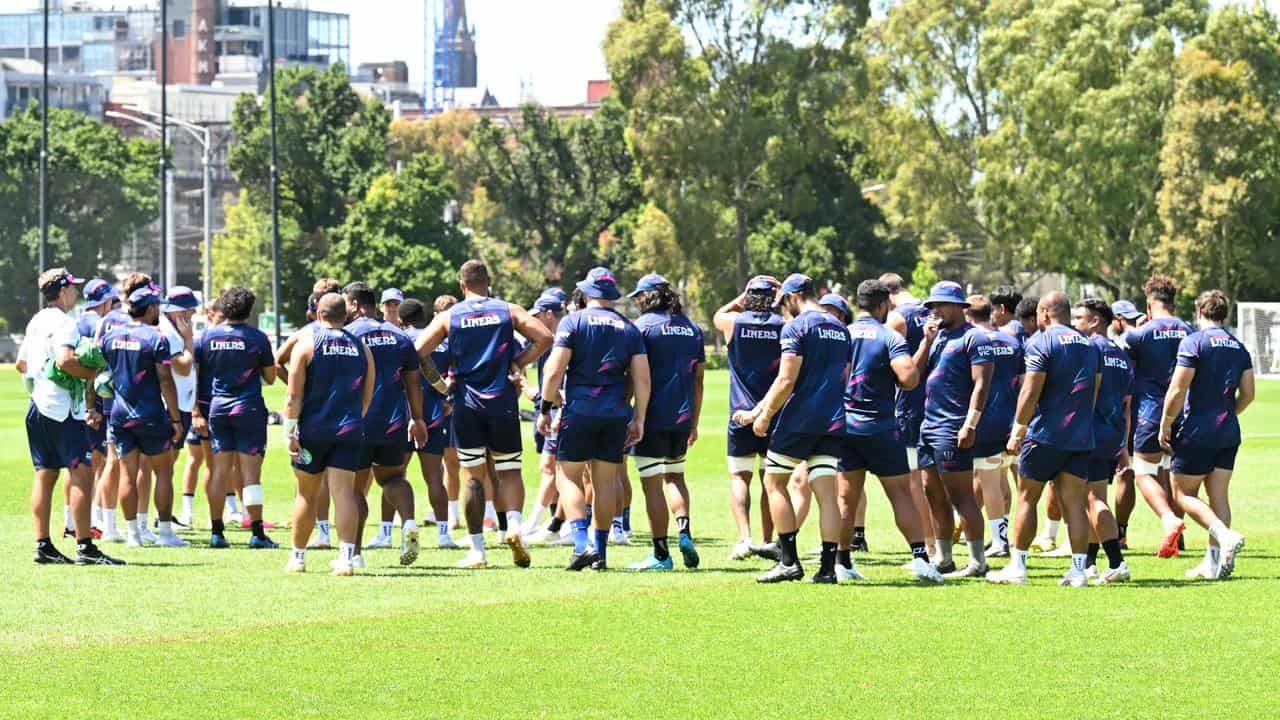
x,y
893,281
361,294
1027,308
872,294
1213,305
1098,307
1161,288
217,306
413,312
758,302
133,282
237,303
136,312
660,299
979,308
578,299
1007,297
474,274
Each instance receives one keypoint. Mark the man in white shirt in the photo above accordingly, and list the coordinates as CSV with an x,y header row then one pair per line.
x,y
175,325
56,420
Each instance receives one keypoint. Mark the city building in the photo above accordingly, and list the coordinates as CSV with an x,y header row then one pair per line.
x,y
20,85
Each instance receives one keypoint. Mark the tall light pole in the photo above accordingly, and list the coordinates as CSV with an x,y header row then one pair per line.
x,y
44,149
164,140
275,172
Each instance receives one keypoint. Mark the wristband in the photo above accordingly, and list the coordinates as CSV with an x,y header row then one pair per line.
x,y
546,407
290,426
1019,430
971,420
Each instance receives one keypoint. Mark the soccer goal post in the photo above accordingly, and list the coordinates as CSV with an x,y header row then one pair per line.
x,y
1259,330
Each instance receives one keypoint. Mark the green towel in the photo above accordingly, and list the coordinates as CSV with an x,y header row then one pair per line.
x,y
89,355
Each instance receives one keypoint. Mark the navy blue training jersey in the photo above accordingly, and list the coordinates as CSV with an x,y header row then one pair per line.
x,y
1209,412
333,401
674,346
1109,419
1002,400
1153,350
816,405
393,356
233,355
1015,328
432,401
754,353
910,403
87,323
132,352
482,347
949,384
1070,363
870,394
113,320
602,342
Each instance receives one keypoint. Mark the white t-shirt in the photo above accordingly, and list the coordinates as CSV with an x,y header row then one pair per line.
x,y
186,385
49,330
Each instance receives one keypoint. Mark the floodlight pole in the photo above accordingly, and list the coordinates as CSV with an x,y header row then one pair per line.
x,y
164,141
44,150
275,172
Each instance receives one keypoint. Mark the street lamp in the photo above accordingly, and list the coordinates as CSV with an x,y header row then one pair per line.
x,y
166,238
275,173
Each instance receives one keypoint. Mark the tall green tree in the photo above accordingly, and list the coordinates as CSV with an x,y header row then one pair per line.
x,y
1221,159
552,187
397,235
102,188
242,251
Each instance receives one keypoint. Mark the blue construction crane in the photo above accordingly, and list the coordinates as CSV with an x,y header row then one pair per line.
x,y
449,58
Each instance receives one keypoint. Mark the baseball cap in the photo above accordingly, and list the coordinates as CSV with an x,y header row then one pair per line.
x,y
762,285
947,292
837,302
58,278
556,293
180,298
98,291
1125,309
652,281
600,284
391,294
795,282
545,303
145,296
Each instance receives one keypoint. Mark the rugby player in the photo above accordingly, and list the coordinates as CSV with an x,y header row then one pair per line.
x,y
99,299
990,459
751,331
1127,318
238,359
957,361
145,419
1025,324
1092,317
807,399
482,348
394,417
853,533
331,386
1200,427
197,444
1153,349
435,414
1004,310
547,309
57,433
598,353
175,324
1053,429
677,360
880,366
907,319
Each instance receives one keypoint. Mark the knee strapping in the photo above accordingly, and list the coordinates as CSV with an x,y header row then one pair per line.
x,y
503,462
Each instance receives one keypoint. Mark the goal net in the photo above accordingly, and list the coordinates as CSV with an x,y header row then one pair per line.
x,y
1259,330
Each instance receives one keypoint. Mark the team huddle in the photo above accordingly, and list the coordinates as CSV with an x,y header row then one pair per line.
x,y
942,400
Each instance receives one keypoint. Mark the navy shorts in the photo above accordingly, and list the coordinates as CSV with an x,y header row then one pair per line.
x,y
55,445
388,455
1044,463
341,456
947,457
1102,469
743,442
883,455
909,429
471,430
437,438
151,438
1146,437
990,449
539,440
585,437
662,444
245,433
186,429
193,437
1197,460
803,446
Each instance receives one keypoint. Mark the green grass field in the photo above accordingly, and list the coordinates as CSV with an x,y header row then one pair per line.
x,y
199,633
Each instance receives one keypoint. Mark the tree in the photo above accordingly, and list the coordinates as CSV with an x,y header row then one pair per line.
x,y
397,235
1221,159
445,136
102,189
242,250
553,187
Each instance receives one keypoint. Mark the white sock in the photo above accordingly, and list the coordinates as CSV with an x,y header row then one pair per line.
x,y
1077,562
109,518
67,520
536,517
1051,530
143,522
431,516
386,530
133,527
443,529
166,527
1213,555
188,504
617,522
453,511
1217,530
408,526
1169,521
95,516
477,542
1019,559
300,554
346,551
324,527
489,512
514,519
233,503
997,534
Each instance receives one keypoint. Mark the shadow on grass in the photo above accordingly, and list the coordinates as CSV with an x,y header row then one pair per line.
x,y
143,563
